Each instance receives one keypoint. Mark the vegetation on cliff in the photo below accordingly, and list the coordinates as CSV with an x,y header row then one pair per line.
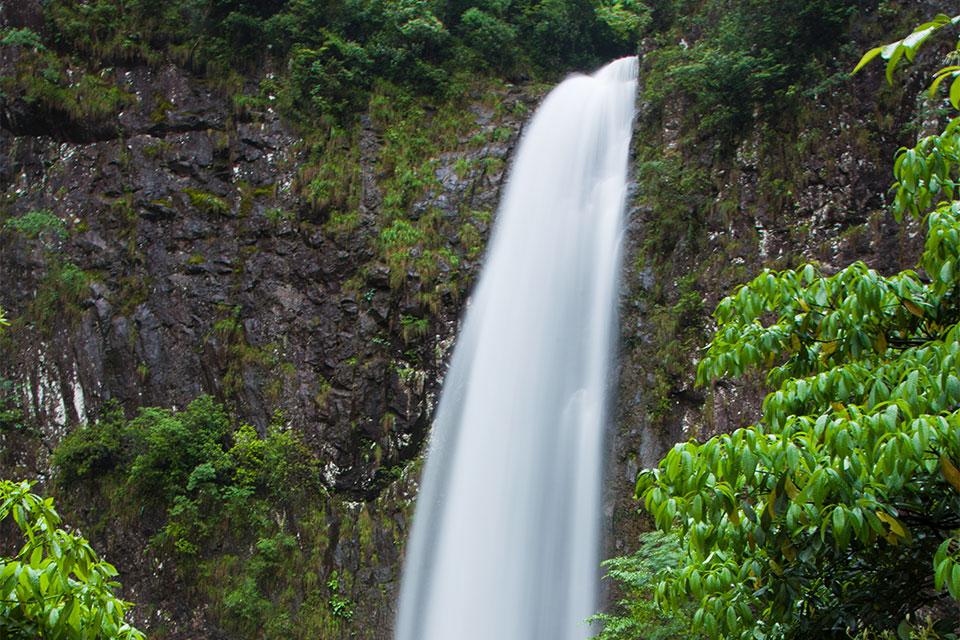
x,y
244,517
55,586
330,54
838,512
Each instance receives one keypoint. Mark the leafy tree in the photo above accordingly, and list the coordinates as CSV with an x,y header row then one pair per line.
x,y
839,511
751,56
331,79
26,38
490,36
55,586
561,33
626,18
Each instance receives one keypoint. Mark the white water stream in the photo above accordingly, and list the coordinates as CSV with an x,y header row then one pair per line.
x,y
505,542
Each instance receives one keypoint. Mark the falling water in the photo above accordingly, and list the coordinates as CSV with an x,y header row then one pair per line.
x,y
505,539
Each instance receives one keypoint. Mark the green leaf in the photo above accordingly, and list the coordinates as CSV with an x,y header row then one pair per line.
x,y
955,93
892,62
946,272
867,57
839,523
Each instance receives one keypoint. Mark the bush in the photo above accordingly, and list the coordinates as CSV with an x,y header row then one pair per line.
x,y
92,450
627,19
21,38
330,80
754,56
168,447
637,576
38,224
492,38
194,465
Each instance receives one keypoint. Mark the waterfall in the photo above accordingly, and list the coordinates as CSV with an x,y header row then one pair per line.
x,y
505,541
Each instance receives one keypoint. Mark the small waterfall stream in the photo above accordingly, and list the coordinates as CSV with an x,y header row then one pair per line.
x,y
506,533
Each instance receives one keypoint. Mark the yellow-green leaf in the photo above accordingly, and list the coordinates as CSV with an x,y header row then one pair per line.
x,y
881,344
950,472
867,57
913,308
896,527
955,93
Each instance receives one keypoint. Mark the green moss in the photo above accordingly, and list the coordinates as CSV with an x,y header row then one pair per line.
x,y
250,194
134,290
330,180
277,216
341,225
323,392
207,202
38,224
243,357
156,149
60,294
412,327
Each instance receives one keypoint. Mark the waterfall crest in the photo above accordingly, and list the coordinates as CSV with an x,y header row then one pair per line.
x,y
506,533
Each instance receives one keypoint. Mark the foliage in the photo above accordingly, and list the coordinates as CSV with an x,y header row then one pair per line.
x,y
38,224
752,58
55,586
340,605
91,450
494,39
907,48
840,510
62,287
240,513
207,202
637,575
21,38
334,52
331,79
60,294
626,18
49,83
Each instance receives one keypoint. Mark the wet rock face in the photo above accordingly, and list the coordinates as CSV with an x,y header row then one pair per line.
x,y
205,271
21,14
209,274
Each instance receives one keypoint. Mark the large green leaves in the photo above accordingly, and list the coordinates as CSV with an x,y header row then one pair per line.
x,y
839,510
56,586
907,47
